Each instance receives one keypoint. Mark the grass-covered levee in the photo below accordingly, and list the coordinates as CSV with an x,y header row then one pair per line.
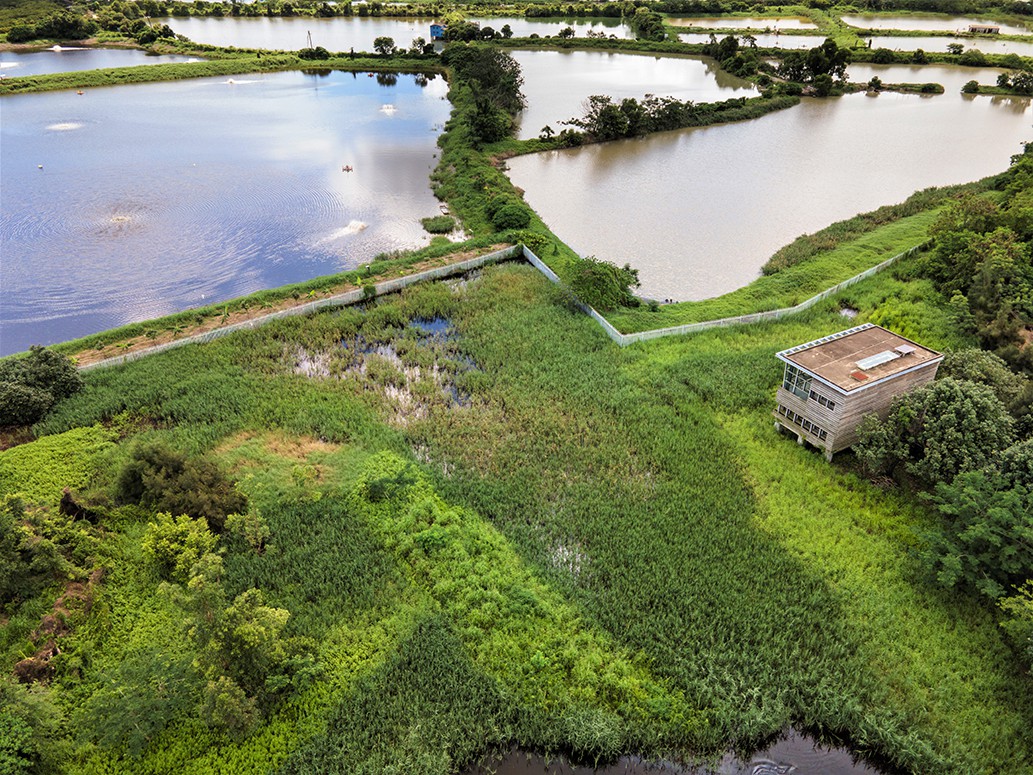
x,y
462,518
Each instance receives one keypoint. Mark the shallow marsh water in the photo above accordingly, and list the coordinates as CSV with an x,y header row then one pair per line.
x,y
68,60
557,83
133,202
699,211
344,33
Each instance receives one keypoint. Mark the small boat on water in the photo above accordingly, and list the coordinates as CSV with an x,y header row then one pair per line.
x,y
347,168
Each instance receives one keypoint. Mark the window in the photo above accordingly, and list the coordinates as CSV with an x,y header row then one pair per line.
x,y
797,381
822,400
803,422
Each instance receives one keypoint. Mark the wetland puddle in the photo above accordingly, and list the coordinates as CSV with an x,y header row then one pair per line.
x,y
418,368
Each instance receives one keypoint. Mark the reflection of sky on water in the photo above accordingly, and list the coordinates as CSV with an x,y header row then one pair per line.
x,y
557,83
13,63
699,211
175,195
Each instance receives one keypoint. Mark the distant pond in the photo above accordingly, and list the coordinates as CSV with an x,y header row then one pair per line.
x,y
699,211
940,43
927,22
67,60
557,83
732,22
344,33
132,202
764,39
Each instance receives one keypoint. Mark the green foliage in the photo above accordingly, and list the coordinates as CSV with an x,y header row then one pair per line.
x,y
511,216
439,224
166,480
828,60
31,384
384,46
601,284
987,538
647,24
491,78
1018,622
175,545
30,730
937,431
40,470
59,26
147,692
28,561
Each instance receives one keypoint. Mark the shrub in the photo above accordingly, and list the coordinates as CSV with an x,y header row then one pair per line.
x,y
21,33
511,216
22,405
603,285
970,87
30,385
166,480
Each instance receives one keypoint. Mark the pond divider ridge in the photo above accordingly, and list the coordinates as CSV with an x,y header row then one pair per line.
x,y
462,267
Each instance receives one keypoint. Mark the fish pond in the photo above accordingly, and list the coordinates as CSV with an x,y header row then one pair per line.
x,y
699,211
557,83
763,39
928,23
755,23
344,33
66,60
940,43
134,202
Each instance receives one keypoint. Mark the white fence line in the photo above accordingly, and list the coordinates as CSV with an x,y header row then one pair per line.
x,y
756,317
462,267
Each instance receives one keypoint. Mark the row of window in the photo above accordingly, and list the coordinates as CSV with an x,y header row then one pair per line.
x,y
799,382
803,422
822,400
796,381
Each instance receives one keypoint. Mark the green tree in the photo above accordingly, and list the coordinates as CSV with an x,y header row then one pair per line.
x,y
384,46
937,431
987,538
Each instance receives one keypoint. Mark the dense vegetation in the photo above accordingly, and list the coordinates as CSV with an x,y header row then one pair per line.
x,y
387,537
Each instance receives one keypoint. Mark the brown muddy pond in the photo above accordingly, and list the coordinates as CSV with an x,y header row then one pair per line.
x,y
927,22
731,22
557,83
699,211
795,754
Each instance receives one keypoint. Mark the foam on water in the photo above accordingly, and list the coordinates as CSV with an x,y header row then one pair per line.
x,y
64,126
353,227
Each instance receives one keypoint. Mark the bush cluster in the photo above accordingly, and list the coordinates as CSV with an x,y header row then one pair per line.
x,y
31,385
